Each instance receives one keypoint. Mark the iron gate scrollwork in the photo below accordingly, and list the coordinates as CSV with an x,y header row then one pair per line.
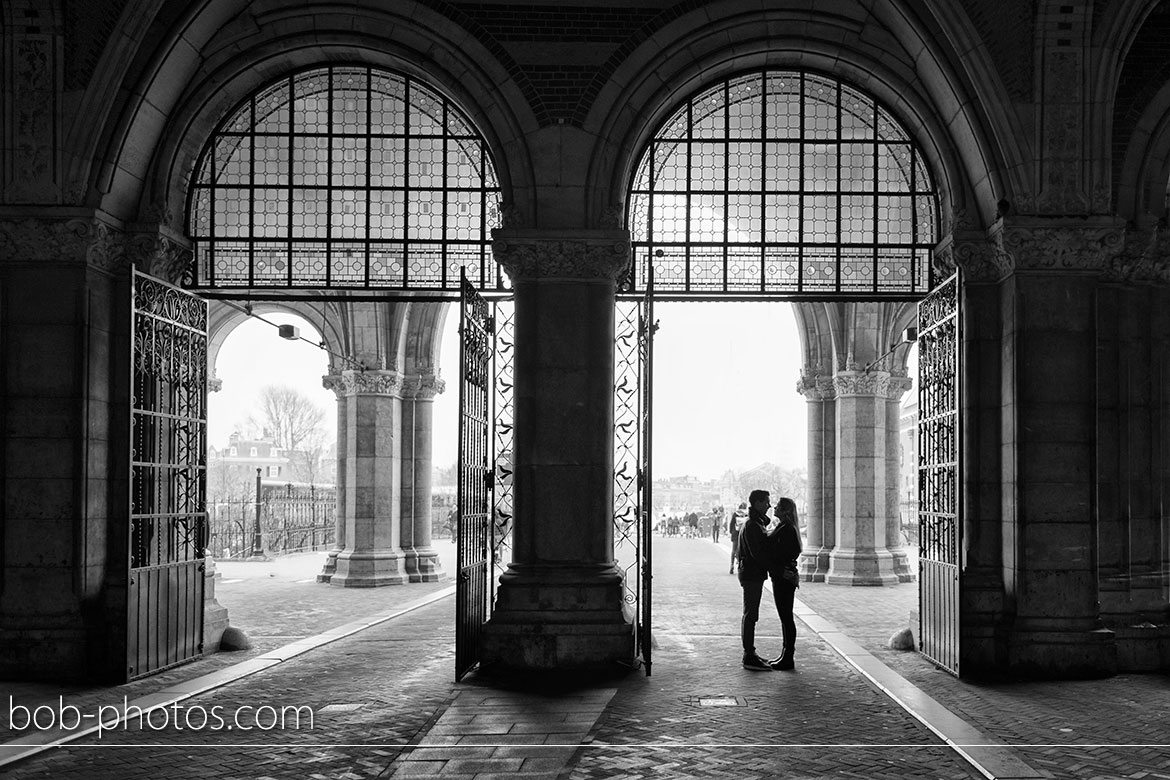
x,y
168,478
940,529
633,526
484,500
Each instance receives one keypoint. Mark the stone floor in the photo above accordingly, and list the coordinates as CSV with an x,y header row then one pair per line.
x,y
372,674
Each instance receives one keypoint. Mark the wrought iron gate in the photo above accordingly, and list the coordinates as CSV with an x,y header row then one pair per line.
x,y
484,500
940,522
633,524
168,478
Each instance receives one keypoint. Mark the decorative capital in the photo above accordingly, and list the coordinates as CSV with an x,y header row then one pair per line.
x,y
815,386
214,384
162,256
898,387
423,386
860,383
1087,245
372,382
542,254
974,253
63,240
1145,257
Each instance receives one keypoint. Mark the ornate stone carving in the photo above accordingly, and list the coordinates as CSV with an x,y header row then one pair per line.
x,y
424,385
162,257
815,386
1056,247
63,240
898,386
602,255
372,382
1145,258
853,383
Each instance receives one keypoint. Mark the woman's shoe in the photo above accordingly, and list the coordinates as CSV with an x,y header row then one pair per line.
x,y
784,662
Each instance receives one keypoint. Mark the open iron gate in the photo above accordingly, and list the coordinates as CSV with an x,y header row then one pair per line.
x,y
484,498
939,474
633,524
168,477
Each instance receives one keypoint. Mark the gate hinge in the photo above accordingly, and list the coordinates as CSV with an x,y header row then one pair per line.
x,y
489,324
489,479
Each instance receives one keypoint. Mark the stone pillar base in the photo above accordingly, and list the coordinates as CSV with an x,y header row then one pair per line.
x,y
814,565
330,567
1062,655
902,566
861,567
215,615
423,565
559,619
370,569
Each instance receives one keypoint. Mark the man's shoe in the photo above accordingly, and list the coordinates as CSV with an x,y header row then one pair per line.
x,y
756,664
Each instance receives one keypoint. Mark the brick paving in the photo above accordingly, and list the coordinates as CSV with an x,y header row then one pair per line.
x,y
385,705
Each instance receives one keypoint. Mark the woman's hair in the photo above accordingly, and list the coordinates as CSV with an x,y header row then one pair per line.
x,y
786,506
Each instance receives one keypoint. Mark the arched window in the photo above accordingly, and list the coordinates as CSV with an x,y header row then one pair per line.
x,y
344,177
783,183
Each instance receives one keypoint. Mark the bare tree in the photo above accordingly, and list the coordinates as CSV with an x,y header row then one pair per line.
x,y
289,416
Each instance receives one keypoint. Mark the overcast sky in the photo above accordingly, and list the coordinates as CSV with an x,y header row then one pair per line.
x,y
724,385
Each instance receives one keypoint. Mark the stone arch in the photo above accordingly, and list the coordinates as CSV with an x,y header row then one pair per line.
x,y
223,319
145,161
891,59
1136,112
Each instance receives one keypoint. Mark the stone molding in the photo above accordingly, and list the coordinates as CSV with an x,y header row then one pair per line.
x,y
423,386
103,246
530,254
874,384
1145,258
816,387
162,256
1056,247
1053,245
372,382
898,387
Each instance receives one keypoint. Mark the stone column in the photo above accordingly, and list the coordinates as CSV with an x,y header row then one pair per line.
x,y
418,404
1049,413
333,382
371,554
860,555
898,386
64,367
820,514
559,604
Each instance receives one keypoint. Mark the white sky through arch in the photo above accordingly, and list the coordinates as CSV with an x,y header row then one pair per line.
x,y
725,379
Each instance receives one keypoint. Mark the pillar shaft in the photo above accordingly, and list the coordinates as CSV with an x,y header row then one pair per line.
x,y
820,514
867,514
560,603
371,554
422,561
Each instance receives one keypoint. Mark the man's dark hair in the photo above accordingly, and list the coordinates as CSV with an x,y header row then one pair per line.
x,y
756,495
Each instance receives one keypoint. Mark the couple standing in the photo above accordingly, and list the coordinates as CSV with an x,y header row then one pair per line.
x,y
762,555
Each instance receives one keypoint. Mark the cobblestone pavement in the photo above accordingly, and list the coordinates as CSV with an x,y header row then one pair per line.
x,y
384,703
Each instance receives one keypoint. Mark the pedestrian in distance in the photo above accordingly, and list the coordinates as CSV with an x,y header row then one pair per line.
x,y
784,541
716,523
734,526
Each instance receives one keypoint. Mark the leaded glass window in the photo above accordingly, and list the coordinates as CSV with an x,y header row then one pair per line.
x,y
783,183
345,176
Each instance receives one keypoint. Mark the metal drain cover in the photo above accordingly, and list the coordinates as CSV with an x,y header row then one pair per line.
x,y
341,707
716,701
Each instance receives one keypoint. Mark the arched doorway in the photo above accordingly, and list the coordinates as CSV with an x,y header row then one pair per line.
x,y
792,184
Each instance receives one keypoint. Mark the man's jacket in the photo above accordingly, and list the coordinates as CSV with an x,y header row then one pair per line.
x,y
754,549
